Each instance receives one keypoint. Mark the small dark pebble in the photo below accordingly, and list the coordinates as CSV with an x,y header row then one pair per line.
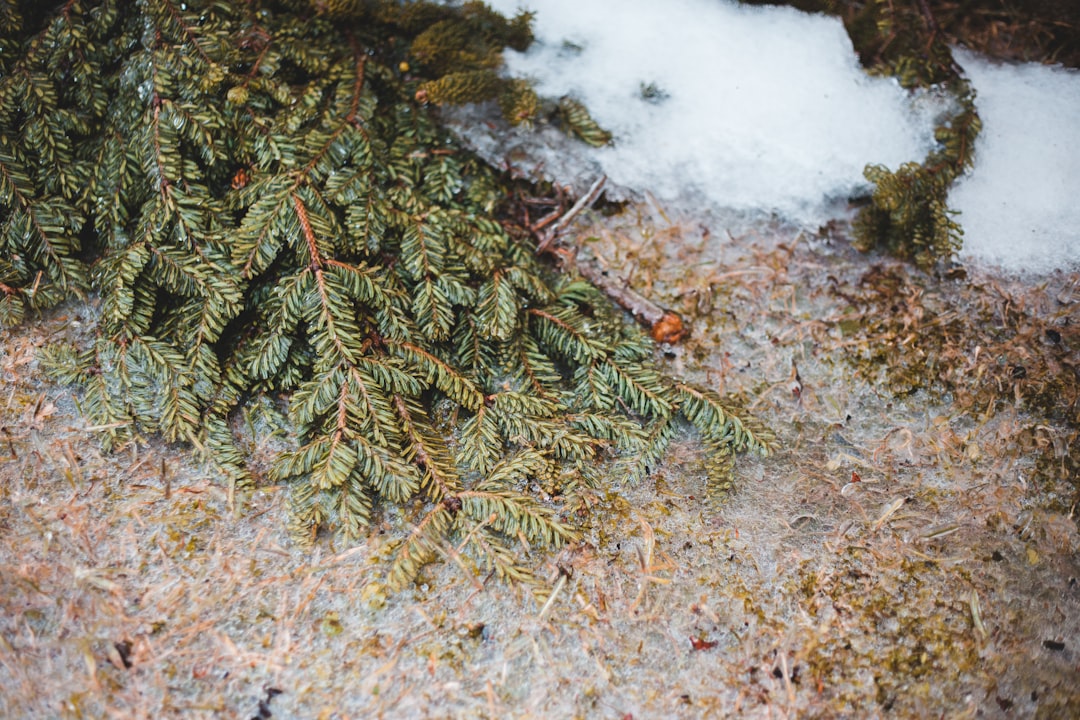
x,y
1005,704
996,556
264,712
123,648
1053,335
1053,645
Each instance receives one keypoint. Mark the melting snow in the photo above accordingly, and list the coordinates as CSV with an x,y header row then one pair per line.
x,y
766,110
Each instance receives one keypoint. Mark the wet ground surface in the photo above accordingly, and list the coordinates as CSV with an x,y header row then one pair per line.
x,y
910,550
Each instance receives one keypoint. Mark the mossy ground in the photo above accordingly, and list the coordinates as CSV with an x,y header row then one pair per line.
x,y
910,551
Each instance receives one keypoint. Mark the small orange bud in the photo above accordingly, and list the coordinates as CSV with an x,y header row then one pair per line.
x,y
668,329
240,179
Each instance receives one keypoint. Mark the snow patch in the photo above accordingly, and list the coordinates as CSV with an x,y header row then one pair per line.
x,y
1020,205
762,109
765,110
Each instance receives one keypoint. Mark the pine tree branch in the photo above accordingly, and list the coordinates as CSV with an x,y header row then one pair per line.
x,y
316,259
442,485
270,211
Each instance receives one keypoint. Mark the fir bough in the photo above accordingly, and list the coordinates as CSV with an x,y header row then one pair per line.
x,y
265,208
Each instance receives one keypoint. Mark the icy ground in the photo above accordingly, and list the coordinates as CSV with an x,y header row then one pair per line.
x,y
904,554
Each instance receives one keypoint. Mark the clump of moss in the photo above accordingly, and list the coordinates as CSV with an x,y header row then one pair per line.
x,y
897,627
995,351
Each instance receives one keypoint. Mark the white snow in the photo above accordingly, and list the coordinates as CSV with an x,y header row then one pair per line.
x,y
766,110
1020,206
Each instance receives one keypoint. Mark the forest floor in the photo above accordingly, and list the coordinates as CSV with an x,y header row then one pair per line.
x,y
910,550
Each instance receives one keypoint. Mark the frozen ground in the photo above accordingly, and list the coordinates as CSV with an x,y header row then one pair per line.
x,y
910,551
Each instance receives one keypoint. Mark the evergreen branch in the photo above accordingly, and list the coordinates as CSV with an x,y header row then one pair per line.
x,y
369,405
349,121
516,470
315,256
470,349
445,377
481,442
178,22
706,411
537,369
218,299
261,249
496,556
511,514
497,308
267,208
423,250
354,510
619,430
394,480
261,232
720,472
336,333
162,176
639,387
44,223
422,447
561,331
421,546
358,82
525,420
658,436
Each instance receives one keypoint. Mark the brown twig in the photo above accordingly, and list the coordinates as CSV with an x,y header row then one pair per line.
x,y
665,326
550,236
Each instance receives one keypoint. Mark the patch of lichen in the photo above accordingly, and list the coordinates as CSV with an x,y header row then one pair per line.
x,y
906,628
985,351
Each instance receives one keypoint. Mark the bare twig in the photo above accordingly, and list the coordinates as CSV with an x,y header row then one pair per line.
x,y
664,325
550,236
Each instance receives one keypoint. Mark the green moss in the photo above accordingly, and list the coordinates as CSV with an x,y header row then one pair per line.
x,y
906,629
984,356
